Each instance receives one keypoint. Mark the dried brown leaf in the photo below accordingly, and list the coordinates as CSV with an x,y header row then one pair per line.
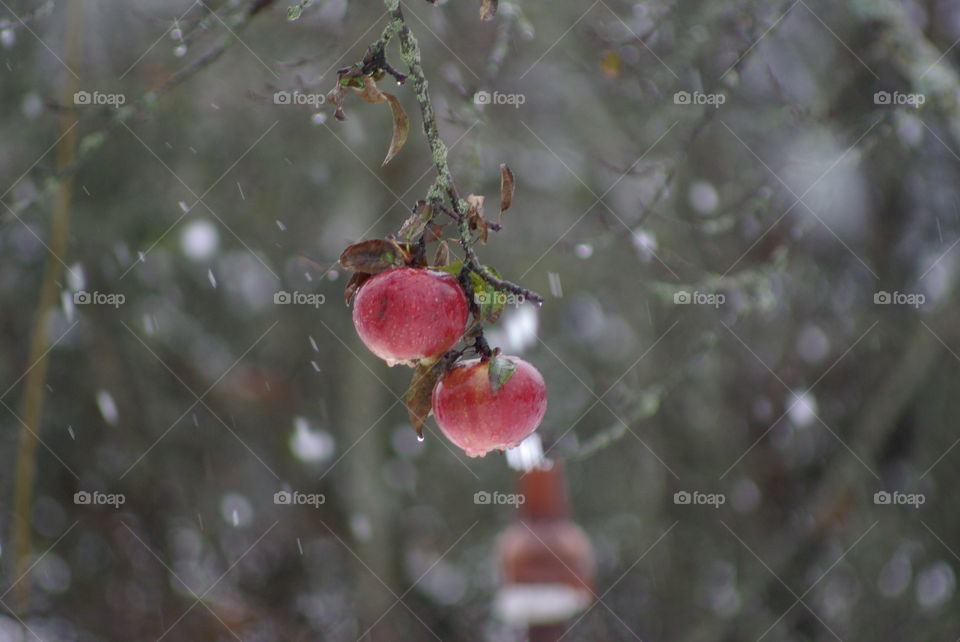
x,y
353,286
507,185
419,395
401,127
434,232
475,218
415,224
371,93
374,256
442,256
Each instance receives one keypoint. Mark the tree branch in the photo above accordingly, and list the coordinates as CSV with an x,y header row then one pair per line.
x,y
444,186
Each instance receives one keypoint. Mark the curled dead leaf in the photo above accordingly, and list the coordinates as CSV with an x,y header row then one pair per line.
x,y
419,394
401,127
353,286
442,256
415,224
507,185
371,93
475,218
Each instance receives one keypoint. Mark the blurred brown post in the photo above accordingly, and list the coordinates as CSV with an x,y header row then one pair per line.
x,y
546,561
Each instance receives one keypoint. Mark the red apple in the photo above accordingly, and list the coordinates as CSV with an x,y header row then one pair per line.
x,y
478,419
406,314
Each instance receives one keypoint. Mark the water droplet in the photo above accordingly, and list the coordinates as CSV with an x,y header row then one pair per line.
x,y
420,437
213,279
180,51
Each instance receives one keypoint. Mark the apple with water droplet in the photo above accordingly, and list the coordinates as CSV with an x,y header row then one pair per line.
x,y
407,314
480,411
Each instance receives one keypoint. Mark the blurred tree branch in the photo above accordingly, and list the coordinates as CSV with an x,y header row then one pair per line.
x,y
34,387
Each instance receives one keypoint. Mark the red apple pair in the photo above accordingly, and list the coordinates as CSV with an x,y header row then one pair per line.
x,y
408,314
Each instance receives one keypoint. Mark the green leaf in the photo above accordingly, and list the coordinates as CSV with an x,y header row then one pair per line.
x,y
490,303
500,371
453,268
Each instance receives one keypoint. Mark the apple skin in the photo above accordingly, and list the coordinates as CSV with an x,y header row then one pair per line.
x,y
407,314
478,420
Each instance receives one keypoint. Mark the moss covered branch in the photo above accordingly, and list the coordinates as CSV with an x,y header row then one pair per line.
x,y
443,187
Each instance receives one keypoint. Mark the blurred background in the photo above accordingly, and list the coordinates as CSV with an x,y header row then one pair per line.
x,y
743,216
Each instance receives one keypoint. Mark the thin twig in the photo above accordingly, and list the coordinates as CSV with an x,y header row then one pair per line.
x,y
444,186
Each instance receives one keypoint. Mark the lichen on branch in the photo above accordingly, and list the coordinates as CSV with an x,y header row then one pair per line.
x,y
444,187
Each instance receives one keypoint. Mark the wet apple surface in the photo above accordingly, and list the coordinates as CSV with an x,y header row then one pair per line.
x,y
478,419
406,314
